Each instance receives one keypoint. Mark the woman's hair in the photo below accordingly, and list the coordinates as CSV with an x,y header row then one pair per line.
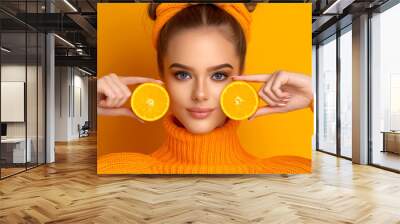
x,y
199,15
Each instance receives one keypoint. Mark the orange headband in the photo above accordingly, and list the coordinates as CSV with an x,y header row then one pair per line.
x,y
166,11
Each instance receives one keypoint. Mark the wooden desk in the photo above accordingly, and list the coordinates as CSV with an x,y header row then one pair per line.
x,y
391,141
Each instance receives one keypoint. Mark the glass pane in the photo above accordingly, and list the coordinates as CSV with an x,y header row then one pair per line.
x,y
41,98
314,73
31,86
346,93
386,88
31,100
327,96
13,87
22,89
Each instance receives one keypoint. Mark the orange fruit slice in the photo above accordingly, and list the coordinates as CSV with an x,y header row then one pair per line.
x,y
150,101
239,100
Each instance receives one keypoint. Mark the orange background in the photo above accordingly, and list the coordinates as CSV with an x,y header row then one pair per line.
x,y
280,40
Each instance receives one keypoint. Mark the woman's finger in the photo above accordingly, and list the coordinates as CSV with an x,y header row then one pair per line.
x,y
122,89
102,103
267,91
104,93
131,80
120,98
116,96
267,110
268,100
118,112
252,78
108,93
298,80
276,87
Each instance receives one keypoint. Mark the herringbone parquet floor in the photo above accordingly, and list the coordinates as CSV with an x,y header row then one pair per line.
x,y
70,191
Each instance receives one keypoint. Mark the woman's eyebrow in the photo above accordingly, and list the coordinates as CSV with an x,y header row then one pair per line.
x,y
180,66
213,68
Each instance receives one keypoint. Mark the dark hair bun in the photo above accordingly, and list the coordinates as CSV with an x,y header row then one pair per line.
x,y
251,6
151,11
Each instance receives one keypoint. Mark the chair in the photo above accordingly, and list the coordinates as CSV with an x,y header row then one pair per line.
x,y
84,130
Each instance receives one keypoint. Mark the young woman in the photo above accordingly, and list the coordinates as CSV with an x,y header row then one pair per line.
x,y
200,49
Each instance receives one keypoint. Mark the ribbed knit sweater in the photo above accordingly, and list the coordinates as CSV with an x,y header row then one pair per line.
x,y
217,152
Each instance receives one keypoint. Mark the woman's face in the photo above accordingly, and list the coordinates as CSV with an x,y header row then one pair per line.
x,y
197,66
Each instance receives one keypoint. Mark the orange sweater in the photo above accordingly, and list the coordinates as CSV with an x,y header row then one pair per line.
x,y
218,152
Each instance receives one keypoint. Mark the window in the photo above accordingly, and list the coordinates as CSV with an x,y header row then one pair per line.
x,y
346,92
327,96
385,88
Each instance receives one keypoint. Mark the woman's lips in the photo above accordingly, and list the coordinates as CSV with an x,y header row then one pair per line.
x,y
200,113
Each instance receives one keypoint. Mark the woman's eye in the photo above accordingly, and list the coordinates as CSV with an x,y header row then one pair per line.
x,y
182,75
219,76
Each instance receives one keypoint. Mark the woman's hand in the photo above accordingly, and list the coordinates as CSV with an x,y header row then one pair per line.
x,y
113,92
282,91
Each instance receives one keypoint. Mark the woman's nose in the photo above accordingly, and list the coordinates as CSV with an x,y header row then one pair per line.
x,y
200,91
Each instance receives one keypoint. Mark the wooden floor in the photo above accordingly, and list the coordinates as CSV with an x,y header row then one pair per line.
x,y
5,172
70,191
387,159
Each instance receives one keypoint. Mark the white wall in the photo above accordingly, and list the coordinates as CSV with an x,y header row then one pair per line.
x,y
61,103
80,84
71,93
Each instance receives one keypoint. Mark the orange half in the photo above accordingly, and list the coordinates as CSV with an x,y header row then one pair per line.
x,y
239,100
150,101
